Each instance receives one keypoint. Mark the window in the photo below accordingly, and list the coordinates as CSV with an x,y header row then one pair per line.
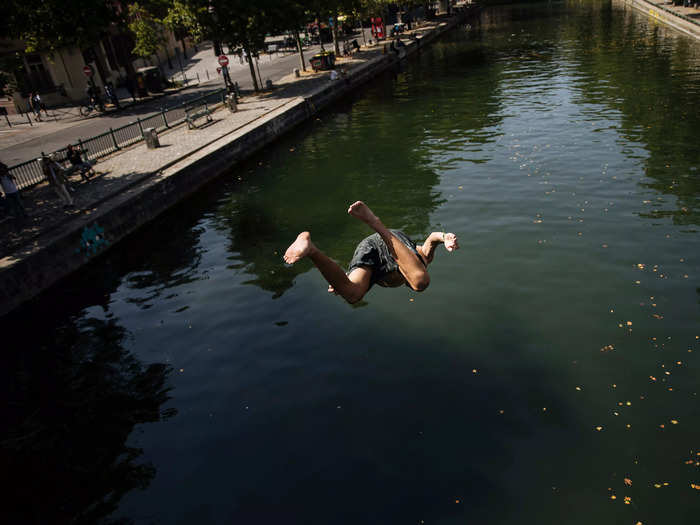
x,y
39,78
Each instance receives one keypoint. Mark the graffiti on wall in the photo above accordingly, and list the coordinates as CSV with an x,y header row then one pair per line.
x,y
92,240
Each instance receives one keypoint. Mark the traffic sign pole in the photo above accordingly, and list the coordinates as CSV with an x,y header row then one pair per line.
x,y
223,62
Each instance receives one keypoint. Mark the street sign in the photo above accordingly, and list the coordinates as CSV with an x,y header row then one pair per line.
x,y
88,71
223,60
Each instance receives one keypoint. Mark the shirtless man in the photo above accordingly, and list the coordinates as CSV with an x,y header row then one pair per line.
x,y
387,258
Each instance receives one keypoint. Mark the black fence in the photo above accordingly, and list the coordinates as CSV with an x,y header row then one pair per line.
x,y
29,173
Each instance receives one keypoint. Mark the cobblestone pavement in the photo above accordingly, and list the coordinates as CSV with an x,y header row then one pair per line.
x,y
121,170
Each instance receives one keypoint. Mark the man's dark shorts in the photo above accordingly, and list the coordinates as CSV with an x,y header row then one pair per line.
x,y
373,253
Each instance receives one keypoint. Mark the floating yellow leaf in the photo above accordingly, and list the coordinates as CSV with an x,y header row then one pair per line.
x,y
674,421
628,500
599,428
613,497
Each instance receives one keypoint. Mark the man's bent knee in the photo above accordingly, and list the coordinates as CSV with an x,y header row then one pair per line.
x,y
421,283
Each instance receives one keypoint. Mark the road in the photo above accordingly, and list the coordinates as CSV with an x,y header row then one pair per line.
x,y
14,149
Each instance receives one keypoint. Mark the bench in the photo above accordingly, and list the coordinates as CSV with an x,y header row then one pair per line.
x,y
195,112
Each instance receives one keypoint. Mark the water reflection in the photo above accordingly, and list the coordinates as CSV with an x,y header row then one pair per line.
x,y
70,402
657,102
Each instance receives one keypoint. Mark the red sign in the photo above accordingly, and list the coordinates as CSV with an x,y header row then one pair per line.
x,y
88,71
223,60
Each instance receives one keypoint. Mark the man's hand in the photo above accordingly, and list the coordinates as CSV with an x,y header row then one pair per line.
x,y
451,243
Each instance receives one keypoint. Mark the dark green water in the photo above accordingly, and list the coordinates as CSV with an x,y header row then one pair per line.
x,y
189,377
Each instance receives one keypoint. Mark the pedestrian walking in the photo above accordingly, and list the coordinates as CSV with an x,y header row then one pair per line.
x,y
57,179
34,105
40,103
7,181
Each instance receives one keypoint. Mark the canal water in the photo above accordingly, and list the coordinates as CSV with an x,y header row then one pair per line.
x,y
548,375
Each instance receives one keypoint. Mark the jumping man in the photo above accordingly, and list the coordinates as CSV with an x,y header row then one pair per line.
x,y
387,258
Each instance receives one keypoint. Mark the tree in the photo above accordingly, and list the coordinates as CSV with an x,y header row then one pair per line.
x,y
182,20
239,23
49,25
147,30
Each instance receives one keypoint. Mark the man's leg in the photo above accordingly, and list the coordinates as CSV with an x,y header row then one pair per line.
x,y
351,289
410,266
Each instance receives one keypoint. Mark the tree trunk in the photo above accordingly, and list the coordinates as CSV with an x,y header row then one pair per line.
x,y
252,69
335,34
184,51
300,49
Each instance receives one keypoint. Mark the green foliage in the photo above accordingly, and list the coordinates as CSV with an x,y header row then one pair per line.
x,y
184,18
48,25
147,31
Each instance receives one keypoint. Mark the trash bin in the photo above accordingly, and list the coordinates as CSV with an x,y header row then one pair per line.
x,y
323,61
141,89
151,136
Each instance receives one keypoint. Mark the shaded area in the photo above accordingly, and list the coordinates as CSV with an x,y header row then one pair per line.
x,y
71,400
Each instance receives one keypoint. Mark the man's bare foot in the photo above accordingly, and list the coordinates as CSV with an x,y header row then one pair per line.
x,y
361,211
299,248
332,290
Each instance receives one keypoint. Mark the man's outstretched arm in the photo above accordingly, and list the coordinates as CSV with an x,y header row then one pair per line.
x,y
434,240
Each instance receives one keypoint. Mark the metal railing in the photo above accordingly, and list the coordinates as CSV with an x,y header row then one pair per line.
x,y
29,173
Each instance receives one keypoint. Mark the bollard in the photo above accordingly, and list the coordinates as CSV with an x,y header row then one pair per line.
x,y
296,72
231,103
268,84
151,136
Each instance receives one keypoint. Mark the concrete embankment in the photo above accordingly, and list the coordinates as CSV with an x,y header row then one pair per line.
x,y
34,269
666,16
